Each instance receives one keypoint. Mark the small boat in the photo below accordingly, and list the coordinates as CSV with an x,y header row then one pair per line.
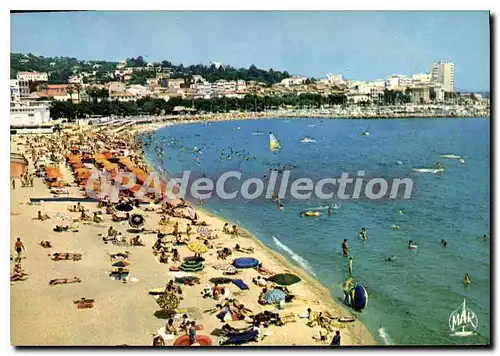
x,y
451,156
307,140
399,163
366,133
461,160
429,170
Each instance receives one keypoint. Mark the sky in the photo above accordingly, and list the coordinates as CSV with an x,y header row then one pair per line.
x,y
360,45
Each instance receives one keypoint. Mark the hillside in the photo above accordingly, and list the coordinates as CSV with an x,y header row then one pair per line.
x,y
61,68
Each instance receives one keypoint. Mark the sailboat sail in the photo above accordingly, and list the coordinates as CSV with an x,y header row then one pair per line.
x,y
273,142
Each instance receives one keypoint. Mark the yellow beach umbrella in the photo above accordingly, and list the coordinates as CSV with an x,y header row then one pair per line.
x,y
197,247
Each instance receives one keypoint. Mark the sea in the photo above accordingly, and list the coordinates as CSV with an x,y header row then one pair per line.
x,y
412,297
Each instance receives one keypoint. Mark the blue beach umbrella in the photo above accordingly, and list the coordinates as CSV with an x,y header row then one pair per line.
x,y
274,296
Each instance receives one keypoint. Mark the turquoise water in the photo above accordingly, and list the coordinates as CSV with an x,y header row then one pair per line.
x,y
411,299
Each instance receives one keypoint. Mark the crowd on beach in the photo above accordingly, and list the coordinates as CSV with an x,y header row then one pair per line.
x,y
186,242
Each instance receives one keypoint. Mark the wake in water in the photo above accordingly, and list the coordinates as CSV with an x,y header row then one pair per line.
x,y
384,336
301,261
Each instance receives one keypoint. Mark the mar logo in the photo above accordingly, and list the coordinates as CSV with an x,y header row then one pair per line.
x,y
463,321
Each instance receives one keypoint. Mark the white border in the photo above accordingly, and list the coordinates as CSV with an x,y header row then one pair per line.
x,y
198,5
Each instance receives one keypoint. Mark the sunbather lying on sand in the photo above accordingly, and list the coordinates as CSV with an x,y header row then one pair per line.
x,y
61,228
66,256
264,271
42,217
243,249
119,255
117,218
56,281
45,244
84,303
261,282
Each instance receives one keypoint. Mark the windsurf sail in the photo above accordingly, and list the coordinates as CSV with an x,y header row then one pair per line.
x,y
274,144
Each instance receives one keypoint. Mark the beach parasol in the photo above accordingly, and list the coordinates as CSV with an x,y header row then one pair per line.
x,y
192,265
284,279
197,247
136,221
124,207
121,264
274,296
168,301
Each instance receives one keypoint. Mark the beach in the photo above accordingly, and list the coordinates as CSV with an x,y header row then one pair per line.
x,y
124,313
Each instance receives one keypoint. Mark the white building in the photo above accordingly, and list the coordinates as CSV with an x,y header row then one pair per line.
x,y
444,73
175,83
198,79
293,80
421,78
32,77
29,113
398,82
122,96
139,90
335,79
19,89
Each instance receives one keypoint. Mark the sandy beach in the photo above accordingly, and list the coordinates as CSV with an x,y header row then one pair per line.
x,y
124,313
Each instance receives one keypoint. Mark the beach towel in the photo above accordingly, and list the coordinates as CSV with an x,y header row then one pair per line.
x,y
240,284
239,339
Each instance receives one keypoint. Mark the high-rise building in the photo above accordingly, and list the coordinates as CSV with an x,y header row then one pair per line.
x,y
444,73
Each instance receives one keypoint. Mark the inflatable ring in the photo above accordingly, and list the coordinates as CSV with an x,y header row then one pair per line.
x,y
136,220
312,213
202,340
245,262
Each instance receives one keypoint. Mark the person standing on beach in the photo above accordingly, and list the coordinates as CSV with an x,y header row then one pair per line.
x,y
192,333
336,339
345,248
350,266
19,246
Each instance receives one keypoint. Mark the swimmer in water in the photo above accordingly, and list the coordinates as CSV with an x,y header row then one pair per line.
x,y
329,210
411,245
467,280
345,248
444,243
282,208
389,259
362,234
485,238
